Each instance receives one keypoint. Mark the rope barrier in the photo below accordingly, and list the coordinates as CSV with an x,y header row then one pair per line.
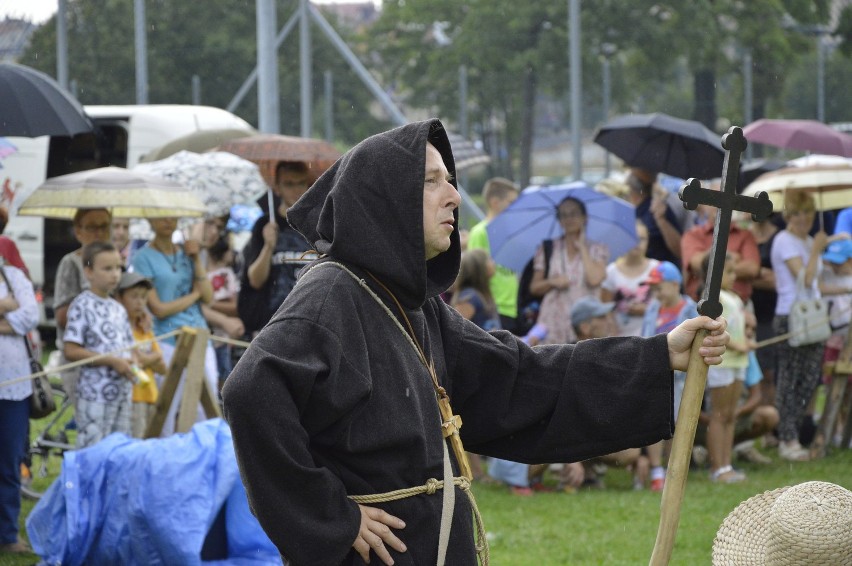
x,y
783,337
231,341
71,365
244,344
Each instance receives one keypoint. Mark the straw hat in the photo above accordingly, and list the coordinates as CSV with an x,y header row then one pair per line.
x,y
809,523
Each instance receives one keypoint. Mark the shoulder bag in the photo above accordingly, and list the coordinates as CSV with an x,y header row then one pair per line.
x,y
42,402
808,320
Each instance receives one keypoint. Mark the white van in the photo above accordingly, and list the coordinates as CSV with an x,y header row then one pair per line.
x,y
123,134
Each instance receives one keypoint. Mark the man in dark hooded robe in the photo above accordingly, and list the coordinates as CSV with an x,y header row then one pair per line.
x,y
332,399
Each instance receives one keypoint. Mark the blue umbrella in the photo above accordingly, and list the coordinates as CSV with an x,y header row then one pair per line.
x,y
516,233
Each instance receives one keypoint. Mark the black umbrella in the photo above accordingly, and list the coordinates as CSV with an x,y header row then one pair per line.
x,y
661,143
32,104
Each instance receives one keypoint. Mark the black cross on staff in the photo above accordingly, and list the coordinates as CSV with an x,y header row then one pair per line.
x,y
727,200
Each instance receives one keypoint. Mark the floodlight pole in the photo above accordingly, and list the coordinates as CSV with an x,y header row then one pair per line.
x,y
141,52
305,74
268,118
62,44
576,87
252,78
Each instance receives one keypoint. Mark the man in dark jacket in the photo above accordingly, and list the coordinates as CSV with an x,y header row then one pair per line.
x,y
275,252
334,400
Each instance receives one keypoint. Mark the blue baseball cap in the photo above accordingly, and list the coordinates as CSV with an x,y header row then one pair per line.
x,y
589,307
665,271
838,252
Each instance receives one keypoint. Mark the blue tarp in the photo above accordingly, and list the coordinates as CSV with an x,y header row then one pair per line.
x,y
128,501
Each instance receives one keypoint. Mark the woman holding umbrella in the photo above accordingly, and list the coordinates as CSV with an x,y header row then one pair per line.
x,y
576,269
795,255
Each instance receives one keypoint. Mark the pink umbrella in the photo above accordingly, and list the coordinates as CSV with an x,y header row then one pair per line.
x,y
805,135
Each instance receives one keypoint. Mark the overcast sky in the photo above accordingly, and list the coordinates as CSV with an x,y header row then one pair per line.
x,y
38,11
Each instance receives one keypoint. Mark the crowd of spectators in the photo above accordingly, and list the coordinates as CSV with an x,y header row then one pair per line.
x,y
765,391
110,293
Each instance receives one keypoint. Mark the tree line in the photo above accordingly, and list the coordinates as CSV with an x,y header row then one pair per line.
x,y
685,58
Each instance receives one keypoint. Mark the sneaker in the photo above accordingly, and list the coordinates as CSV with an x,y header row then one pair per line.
x,y
793,451
727,474
539,487
521,491
751,454
658,484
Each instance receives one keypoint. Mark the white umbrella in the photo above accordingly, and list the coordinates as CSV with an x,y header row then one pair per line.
x,y
219,179
126,194
819,159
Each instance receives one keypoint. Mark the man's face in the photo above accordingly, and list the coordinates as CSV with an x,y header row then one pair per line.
x,y
440,199
289,186
94,226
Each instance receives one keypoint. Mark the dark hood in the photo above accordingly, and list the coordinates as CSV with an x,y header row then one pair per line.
x,y
367,211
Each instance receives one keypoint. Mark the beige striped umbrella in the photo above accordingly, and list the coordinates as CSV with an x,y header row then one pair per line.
x,y
829,185
126,194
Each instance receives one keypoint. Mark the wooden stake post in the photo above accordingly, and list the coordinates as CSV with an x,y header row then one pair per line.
x,y
835,395
189,355
696,377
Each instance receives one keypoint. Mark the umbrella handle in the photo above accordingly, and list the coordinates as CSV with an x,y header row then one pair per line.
x,y
678,466
271,205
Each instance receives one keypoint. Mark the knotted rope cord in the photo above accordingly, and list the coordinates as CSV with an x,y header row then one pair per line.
x,y
431,485
83,362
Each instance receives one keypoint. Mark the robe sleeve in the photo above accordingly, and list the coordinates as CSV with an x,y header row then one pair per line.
x,y
558,403
302,506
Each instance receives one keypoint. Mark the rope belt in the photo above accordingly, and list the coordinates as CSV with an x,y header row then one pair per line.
x,y
431,487
449,430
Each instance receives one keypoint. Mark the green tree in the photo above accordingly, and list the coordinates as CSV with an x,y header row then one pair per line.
x,y
217,43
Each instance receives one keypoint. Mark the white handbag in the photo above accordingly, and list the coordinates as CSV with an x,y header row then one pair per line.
x,y
808,321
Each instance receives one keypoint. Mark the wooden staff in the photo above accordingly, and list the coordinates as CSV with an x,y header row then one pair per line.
x,y
726,201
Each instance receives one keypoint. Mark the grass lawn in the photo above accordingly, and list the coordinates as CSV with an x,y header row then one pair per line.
x,y
615,525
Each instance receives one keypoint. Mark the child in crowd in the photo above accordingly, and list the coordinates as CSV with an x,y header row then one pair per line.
x,y
472,292
667,309
725,381
473,300
120,235
226,288
836,283
98,324
132,293
625,284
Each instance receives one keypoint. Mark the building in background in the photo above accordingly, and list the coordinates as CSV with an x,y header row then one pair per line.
x,y
14,38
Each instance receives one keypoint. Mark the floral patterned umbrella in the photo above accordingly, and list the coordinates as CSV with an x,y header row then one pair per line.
x,y
219,179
